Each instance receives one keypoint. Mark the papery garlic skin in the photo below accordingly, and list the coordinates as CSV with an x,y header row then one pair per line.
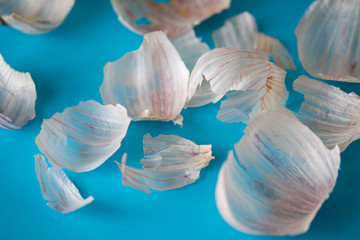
x,y
34,16
143,16
329,40
151,83
277,177
17,95
56,188
170,162
330,113
81,138
241,33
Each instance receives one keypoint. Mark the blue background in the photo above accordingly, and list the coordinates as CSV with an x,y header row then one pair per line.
x,y
67,67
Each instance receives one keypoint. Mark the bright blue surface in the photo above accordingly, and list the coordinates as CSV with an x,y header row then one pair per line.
x,y
67,67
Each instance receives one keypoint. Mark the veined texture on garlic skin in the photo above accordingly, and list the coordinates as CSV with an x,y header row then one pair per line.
x,y
329,40
144,16
151,82
170,162
57,189
81,138
277,177
34,16
241,33
330,113
17,97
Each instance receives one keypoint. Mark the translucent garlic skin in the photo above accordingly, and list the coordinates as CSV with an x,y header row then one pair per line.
x,y
330,113
34,16
329,40
277,177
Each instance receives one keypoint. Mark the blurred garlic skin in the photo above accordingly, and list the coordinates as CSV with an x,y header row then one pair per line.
x,y
151,82
34,16
57,189
330,113
277,177
241,33
81,138
143,16
18,96
170,162
329,40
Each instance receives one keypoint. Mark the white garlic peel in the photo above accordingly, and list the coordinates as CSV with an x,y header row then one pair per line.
x,y
330,113
81,138
151,83
277,177
241,33
18,96
57,189
329,40
170,162
35,16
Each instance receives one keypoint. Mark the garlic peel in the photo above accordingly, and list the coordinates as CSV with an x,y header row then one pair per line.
x,y
57,189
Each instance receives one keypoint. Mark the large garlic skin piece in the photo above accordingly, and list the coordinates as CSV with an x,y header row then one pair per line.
x,y
17,97
81,138
151,83
34,16
330,113
277,177
329,40
143,16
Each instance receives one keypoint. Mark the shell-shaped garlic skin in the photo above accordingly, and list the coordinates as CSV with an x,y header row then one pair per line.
x,y
35,16
330,113
329,40
151,83
56,188
241,106
170,162
277,177
241,33
17,97
143,16
81,138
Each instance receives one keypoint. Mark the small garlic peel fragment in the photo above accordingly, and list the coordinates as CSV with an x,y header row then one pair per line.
x,y
330,113
18,96
56,188
170,162
277,177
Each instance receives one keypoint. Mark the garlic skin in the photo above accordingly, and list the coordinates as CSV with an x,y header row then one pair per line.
x,y
241,33
170,162
81,138
330,113
151,82
34,16
143,16
18,96
57,189
277,177
329,40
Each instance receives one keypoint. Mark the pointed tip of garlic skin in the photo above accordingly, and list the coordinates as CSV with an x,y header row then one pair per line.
x,y
328,39
18,96
277,177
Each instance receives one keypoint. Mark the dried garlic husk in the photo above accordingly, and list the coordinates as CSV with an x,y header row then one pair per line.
x,y
34,16
241,33
151,83
18,96
56,188
143,16
170,162
277,177
330,113
82,138
329,40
